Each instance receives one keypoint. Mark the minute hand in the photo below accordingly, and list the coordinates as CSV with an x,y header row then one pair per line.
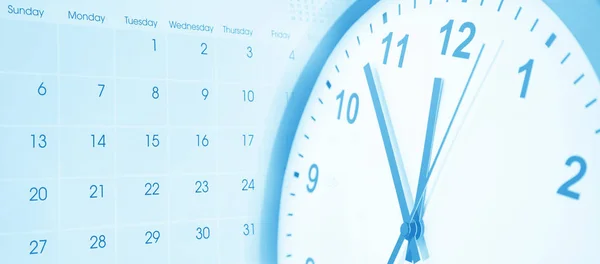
x,y
424,180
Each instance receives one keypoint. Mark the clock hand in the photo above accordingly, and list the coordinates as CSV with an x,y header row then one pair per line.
x,y
395,164
420,196
425,162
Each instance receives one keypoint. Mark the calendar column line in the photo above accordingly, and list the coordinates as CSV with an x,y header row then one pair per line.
x,y
169,174
58,187
215,82
115,175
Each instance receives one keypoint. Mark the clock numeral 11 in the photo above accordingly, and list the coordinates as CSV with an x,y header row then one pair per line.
x,y
402,42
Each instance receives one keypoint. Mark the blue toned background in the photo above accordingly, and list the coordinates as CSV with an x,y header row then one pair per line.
x,y
123,143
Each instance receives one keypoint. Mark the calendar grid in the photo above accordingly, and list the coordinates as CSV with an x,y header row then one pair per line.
x,y
215,80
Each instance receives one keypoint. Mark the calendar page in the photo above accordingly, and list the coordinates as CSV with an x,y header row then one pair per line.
x,y
135,131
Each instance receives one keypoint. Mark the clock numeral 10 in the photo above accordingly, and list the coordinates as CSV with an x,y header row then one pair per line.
x,y
388,40
564,189
352,110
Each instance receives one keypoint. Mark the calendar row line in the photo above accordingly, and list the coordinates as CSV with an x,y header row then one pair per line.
x,y
88,203
227,241
87,51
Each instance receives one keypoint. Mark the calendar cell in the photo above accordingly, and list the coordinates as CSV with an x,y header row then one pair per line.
x,y
239,149
86,50
87,101
29,153
141,54
145,244
193,150
142,151
142,102
191,57
88,152
94,246
87,203
198,241
29,205
244,105
240,195
197,197
30,248
241,60
28,99
32,47
143,200
240,235
193,103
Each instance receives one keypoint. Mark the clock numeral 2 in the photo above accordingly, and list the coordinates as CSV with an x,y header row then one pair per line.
x,y
564,189
458,52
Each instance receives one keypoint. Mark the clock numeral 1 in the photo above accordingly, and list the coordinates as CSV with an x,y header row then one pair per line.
x,y
527,69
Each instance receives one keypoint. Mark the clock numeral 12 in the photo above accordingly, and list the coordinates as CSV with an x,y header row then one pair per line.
x,y
458,52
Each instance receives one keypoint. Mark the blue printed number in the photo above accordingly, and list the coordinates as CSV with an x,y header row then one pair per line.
x,y
313,178
38,194
248,138
458,52
37,246
249,52
292,55
564,189
248,96
204,47
154,44
202,233
352,109
39,141
388,40
310,261
202,140
152,140
205,93
247,185
202,186
249,229
152,237
152,188
42,89
98,141
527,69
98,242
97,191
101,89
155,93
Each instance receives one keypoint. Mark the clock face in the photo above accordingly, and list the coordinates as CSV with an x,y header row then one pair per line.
x,y
450,132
